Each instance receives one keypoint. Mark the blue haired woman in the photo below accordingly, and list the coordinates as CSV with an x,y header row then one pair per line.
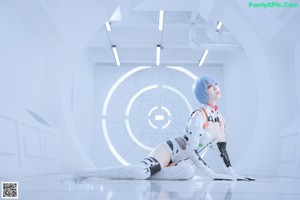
x,y
178,157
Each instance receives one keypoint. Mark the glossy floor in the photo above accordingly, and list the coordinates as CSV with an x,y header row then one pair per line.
x,y
60,187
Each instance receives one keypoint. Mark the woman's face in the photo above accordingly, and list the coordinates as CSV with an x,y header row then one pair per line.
x,y
213,92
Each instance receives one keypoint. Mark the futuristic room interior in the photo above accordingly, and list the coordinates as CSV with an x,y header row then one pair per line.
x,y
99,83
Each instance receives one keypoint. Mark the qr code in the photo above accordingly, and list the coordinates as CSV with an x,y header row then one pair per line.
x,y
9,190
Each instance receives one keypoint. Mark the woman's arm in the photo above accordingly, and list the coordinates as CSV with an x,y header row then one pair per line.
x,y
226,160
194,134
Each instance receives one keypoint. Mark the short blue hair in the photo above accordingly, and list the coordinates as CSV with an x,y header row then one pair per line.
x,y
200,88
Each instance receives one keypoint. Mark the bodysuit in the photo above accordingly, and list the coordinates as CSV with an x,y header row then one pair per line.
x,y
200,134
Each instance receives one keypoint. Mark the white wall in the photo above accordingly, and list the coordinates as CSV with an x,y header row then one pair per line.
x,y
284,97
21,54
240,103
40,70
83,97
27,146
266,71
242,111
297,70
289,136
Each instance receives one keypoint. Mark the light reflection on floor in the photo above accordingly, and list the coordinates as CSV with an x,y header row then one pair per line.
x,y
62,187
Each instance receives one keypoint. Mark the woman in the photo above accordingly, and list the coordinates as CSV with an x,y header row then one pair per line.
x,y
176,158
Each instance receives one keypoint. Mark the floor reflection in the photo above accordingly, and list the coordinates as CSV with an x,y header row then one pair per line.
x,y
156,189
63,187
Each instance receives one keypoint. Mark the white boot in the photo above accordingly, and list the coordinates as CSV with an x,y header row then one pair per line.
x,y
143,170
119,172
231,172
183,171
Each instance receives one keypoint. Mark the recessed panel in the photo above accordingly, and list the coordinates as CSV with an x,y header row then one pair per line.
x,y
8,142
8,132
30,140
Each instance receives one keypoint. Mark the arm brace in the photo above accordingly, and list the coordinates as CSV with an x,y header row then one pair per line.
x,y
199,162
224,155
196,159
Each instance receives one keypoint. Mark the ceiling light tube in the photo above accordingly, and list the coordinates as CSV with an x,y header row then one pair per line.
x,y
219,25
203,57
158,55
107,25
161,20
114,48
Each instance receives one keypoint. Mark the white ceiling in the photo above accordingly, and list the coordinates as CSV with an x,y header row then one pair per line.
x,y
136,36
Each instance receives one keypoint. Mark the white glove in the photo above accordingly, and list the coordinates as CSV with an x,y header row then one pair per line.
x,y
215,176
231,172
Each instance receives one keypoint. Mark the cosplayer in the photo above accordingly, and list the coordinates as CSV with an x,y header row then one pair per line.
x,y
177,158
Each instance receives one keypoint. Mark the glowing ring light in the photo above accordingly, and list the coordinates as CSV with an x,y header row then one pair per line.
x,y
135,140
169,114
150,112
152,125
149,121
137,95
163,108
180,94
114,87
185,71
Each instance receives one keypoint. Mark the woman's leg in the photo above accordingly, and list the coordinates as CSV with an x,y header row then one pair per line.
x,y
162,155
183,169
159,158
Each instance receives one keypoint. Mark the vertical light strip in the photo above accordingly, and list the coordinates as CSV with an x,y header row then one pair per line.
x,y
219,25
203,57
161,20
114,48
107,25
158,55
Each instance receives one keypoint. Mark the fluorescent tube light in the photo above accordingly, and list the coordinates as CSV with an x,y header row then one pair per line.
x,y
203,57
219,25
158,55
114,48
161,20
107,25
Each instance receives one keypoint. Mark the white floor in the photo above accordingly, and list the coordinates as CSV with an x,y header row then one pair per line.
x,y
60,187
